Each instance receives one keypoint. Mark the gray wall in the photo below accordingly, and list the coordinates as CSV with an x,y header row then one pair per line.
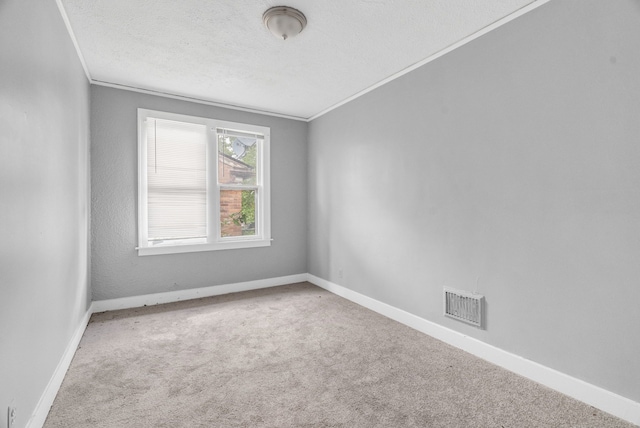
x,y
44,194
118,271
515,159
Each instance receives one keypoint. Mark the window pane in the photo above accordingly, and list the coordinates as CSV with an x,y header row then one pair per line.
x,y
237,159
237,212
177,181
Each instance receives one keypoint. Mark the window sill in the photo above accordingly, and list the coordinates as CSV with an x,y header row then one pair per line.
x,y
192,248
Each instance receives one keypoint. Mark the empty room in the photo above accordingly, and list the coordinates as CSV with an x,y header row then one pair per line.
x,y
234,213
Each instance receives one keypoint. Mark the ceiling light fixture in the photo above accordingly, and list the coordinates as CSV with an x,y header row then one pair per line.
x,y
284,22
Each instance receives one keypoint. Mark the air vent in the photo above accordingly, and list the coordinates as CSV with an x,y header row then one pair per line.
x,y
463,306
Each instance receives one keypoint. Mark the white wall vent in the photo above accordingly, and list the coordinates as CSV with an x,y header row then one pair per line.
x,y
463,306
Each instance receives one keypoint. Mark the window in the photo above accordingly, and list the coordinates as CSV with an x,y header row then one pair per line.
x,y
203,184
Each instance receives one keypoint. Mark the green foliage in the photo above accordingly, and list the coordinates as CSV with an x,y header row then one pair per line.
x,y
225,146
250,156
247,215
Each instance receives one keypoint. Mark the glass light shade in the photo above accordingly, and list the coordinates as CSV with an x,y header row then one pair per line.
x,y
284,22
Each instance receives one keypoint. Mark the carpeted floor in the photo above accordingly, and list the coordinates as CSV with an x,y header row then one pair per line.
x,y
291,356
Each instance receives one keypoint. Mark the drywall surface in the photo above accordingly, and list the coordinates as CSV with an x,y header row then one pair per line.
x,y
509,167
44,194
220,51
118,271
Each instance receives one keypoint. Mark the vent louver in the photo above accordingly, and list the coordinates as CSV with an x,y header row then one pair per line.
x,y
463,306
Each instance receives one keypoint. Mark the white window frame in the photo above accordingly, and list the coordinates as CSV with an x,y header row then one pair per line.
x,y
213,241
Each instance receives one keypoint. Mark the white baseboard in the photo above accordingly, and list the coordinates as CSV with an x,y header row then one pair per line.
x,y
41,411
595,396
193,293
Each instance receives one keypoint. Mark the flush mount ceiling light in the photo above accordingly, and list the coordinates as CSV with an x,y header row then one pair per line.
x,y
284,22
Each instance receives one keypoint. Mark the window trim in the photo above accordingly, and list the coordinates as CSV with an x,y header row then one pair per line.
x,y
214,240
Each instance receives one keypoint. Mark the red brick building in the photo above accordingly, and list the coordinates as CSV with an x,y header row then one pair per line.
x,y
232,171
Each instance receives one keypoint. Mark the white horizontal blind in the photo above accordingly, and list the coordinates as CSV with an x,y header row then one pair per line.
x,y
176,180
242,134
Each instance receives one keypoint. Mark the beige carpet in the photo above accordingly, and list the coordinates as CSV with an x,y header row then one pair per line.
x,y
291,356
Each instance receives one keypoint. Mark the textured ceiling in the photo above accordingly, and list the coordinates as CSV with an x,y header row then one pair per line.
x,y
219,50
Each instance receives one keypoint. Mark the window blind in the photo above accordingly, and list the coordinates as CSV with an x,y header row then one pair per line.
x,y
233,133
176,180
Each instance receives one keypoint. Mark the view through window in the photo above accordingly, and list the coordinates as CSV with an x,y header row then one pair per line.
x,y
203,184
